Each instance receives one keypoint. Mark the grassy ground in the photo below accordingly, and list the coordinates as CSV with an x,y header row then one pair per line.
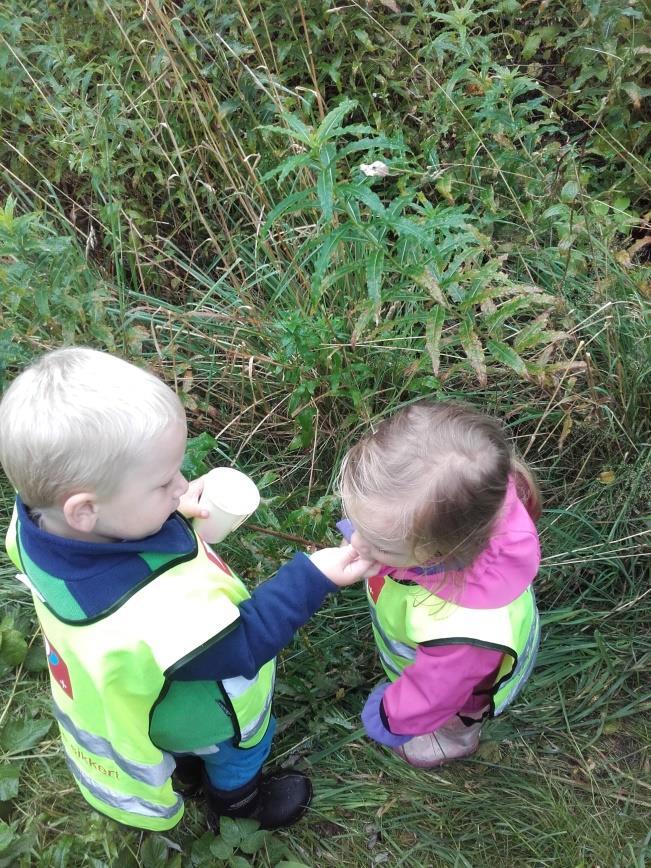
x,y
181,183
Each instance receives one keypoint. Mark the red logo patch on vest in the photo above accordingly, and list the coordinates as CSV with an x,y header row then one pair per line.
x,y
375,585
216,559
58,669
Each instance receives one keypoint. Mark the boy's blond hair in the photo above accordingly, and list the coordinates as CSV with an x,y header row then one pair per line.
x,y
438,472
76,420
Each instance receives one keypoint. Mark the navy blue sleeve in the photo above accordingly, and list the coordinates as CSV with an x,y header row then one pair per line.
x,y
268,621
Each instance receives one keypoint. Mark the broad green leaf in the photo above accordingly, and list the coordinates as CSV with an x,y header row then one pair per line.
x,y
332,121
220,848
374,271
7,835
556,211
13,648
364,194
341,271
252,843
433,330
153,852
570,191
530,336
374,143
230,831
426,279
326,248
326,180
197,448
290,864
291,164
297,129
299,201
9,776
405,226
21,735
494,321
531,44
473,349
35,659
506,355
355,130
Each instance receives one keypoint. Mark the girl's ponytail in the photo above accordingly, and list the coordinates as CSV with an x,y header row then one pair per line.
x,y
527,488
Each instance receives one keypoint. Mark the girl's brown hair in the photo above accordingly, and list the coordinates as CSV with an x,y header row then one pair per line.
x,y
440,470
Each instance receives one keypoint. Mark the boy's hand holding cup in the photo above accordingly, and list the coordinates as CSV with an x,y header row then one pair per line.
x,y
227,498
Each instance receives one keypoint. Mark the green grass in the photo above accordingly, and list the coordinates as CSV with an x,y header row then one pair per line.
x,y
180,183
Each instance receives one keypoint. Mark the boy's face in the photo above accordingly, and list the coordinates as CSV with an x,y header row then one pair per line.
x,y
149,492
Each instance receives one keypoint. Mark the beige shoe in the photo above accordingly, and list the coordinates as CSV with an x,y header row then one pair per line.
x,y
451,741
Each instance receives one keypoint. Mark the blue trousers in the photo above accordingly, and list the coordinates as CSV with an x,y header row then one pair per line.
x,y
229,767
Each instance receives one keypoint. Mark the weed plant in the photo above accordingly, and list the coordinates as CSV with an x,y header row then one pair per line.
x,y
303,216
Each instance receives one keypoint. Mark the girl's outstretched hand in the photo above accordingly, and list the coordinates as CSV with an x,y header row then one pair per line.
x,y
344,565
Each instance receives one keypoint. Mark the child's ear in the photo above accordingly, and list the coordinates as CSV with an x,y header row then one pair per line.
x,y
80,511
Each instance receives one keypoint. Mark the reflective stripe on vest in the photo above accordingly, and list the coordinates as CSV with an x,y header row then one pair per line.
x,y
129,804
156,775
406,615
249,696
406,653
508,691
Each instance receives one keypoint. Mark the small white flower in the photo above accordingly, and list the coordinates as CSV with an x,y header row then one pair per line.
x,y
378,169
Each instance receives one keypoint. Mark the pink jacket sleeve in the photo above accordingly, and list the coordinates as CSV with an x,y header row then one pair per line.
x,y
438,685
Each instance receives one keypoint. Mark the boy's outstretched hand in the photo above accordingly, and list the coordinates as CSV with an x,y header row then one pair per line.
x,y
344,565
189,503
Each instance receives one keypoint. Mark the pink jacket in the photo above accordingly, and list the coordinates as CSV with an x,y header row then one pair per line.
x,y
442,680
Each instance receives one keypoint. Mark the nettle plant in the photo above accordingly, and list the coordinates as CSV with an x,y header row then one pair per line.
x,y
377,236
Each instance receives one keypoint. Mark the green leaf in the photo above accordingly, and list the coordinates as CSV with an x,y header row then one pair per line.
x,y
35,659
13,648
153,852
506,355
252,843
374,270
220,848
230,831
570,191
197,449
426,279
298,201
201,854
531,44
326,180
291,164
290,864
7,835
433,330
362,193
473,349
296,129
9,778
332,121
18,736
374,143
326,248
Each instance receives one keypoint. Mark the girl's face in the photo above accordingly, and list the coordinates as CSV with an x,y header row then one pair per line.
x,y
374,538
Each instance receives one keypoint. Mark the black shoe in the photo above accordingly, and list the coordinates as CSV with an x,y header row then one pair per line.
x,y
187,777
275,801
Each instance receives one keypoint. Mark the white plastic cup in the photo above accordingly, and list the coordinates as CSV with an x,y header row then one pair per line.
x,y
231,497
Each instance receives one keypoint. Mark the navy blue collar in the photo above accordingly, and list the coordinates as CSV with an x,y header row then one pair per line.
x,y
77,559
